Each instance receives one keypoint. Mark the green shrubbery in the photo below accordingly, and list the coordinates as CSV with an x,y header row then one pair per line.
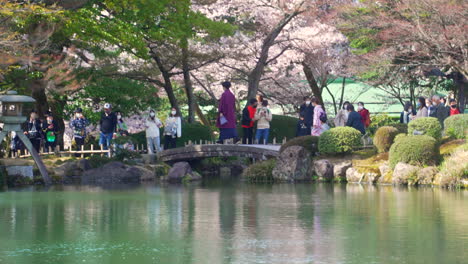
x,y
339,140
310,143
456,126
401,127
415,150
429,126
381,120
384,137
260,172
194,132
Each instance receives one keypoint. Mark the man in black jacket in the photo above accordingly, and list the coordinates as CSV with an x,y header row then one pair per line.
x,y
247,121
439,110
108,126
307,111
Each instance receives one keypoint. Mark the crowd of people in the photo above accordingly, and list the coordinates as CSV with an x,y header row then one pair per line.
x,y
313,120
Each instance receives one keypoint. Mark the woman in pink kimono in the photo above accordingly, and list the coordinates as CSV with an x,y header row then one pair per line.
x,y
319,118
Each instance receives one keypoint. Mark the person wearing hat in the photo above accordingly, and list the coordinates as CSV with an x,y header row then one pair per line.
x,y
79,124
108,124
51,130
226,121
33,130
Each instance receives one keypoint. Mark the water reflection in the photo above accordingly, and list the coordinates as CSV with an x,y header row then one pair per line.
x,y
234,223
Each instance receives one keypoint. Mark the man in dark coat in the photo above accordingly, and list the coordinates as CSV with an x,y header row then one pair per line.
x,y
33,130
439,110
108,125
355,120
307,111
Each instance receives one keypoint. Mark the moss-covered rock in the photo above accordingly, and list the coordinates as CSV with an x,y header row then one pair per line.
x,y
456,126
414,150
428,126
260,172
339,140
450,146
310,143
384,137
454,170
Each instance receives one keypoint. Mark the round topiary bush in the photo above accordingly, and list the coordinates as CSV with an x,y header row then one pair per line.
x,y
415,150
384,137
456,126
429,126
310,143
339,140
260,172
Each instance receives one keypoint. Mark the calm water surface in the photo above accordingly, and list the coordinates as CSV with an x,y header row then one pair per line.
x,y
232,222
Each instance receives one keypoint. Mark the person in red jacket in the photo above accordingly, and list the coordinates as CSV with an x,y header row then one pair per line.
x,y
248,115
365,116
453,107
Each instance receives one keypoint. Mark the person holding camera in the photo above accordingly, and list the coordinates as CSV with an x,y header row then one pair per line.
x,y
33,130
263,116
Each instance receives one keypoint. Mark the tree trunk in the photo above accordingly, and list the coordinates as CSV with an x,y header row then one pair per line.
x,y
188,83
256,74
167,82
316,91
201,116
38,93
343,84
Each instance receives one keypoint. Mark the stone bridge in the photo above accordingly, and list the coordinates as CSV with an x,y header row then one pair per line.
x,y
193,152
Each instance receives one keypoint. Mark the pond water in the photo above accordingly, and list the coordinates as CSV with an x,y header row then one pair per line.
x,y
234,222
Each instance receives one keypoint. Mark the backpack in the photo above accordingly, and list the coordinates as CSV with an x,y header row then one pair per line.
x,y
323,117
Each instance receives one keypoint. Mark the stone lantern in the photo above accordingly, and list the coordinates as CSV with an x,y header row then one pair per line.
x,y
12,117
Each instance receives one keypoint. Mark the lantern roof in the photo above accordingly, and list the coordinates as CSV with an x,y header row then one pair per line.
x,y
13,97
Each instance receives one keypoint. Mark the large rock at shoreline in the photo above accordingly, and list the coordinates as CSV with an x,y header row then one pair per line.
x,y
339,170
386,174
72,171
355,176
427,175
115,172
294,164
405,174
181,171
324,170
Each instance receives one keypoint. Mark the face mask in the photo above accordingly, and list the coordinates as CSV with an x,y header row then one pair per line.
x,y
410,110
307,102
345,107
173,112
49,120
119,117
152,114
418,105
78,115
453,106
360,107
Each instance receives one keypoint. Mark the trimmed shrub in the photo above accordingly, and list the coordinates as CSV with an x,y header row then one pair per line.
x,y
415,150
381,120
456,126
310,143
339,140
429,126
260,172
194,132
402,128
384,137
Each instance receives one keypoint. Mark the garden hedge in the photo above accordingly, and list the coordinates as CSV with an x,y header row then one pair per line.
x,y
420,150
429,126
310,143
456,126
384,138
260,172
339,140
381,120
402,127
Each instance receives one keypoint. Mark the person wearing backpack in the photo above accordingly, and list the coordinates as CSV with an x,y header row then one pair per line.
x,y
320,117
264,116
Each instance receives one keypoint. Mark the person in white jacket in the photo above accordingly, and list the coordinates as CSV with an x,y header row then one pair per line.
x,y
172,130
153,138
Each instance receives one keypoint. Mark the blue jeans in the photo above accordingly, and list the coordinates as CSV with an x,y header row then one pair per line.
x,y
105,140
154,144
262,136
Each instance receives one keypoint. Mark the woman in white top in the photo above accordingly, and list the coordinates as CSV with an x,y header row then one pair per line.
x,y
422,108
172,130
342,116
153,138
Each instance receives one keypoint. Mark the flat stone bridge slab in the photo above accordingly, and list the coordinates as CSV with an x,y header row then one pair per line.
x,y
193,152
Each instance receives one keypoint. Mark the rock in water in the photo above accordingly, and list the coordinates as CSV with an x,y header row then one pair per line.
x,y
114,172
294,164
405,174
339,170
427,175
181,171
324,170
